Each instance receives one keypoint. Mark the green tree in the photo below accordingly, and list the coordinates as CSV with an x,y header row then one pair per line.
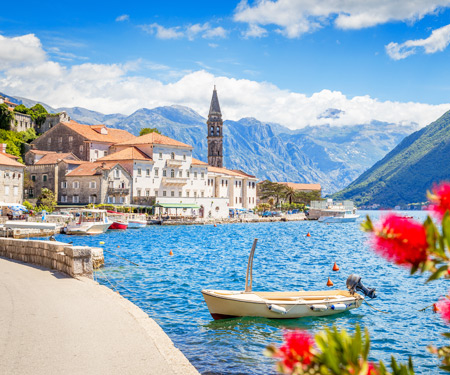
x,y
306,197
39,114
46,200
6,116
149,130
290,194
269,189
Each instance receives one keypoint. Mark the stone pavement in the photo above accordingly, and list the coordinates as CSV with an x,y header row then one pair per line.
x,y
51,323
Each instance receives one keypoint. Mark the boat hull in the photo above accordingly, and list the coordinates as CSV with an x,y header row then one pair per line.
x,y
337,219
229,304
93,228
117,225
136,224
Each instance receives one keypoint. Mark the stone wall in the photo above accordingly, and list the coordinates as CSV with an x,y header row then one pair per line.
x,y
72,260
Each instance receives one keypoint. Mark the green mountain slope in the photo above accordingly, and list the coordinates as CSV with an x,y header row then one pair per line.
x,y
406,173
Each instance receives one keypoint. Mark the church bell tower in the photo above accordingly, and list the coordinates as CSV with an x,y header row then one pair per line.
x,y
215,135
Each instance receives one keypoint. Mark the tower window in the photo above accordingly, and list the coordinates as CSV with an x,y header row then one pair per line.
x,y
212,130
217,131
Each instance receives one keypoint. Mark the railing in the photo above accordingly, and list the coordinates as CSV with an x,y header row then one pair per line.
x,y
174,163
120,191
174,181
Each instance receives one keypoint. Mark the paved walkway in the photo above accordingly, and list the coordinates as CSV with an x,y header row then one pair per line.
x,y
53,324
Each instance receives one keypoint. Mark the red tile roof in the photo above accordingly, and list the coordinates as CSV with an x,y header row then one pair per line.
x,y
228,172
53,158
6,160
198,162
91,133
154,138
41,152
298,186
9,155
91,168
129,153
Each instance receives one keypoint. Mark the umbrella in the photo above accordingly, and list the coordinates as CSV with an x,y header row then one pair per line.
x,y
16,207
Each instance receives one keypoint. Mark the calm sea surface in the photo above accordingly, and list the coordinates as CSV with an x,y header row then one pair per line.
x,y
168,288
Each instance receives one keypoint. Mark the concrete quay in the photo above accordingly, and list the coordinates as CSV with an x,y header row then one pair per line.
x,y
51,323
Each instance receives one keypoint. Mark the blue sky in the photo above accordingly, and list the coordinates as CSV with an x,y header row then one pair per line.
x,y
285,61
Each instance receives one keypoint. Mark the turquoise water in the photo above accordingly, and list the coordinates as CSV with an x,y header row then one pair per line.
x,y
168,288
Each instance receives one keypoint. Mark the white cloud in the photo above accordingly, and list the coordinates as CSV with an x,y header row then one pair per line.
x,y
254,31
123,17
436,42
296,17
190,32
19,50
114,88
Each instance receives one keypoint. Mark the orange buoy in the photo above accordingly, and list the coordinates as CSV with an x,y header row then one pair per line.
x,y
171,252
308,235
435,308
335,267
215,225
329,282
118,246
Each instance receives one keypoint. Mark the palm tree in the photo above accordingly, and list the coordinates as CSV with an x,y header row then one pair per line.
x,y
290,194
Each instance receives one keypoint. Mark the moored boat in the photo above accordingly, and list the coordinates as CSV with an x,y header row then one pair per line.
x,y
224,304
344,217
118,220
136,220
88,222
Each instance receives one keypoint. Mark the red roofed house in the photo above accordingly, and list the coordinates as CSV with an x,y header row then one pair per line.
x,y
87,142
11,177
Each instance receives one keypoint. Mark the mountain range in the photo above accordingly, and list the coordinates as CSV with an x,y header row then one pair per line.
x,y
405,174
329,155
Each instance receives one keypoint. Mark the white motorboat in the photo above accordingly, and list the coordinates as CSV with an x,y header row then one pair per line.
x,y
344,217
89,222
137,220
223,304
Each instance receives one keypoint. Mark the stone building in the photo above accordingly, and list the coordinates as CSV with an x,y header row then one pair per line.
x,y
11,177
87,142
48,169
51,120
98,182
215,132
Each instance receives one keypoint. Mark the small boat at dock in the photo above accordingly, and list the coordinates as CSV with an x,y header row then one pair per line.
x,y
223,304
118,220
88,222
342,217
136,220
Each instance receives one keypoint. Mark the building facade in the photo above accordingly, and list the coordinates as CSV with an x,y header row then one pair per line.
x,y
11,177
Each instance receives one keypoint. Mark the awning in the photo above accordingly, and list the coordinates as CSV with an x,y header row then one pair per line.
x,y
177,205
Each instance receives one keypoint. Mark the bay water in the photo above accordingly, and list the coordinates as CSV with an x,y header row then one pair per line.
x,y
168,288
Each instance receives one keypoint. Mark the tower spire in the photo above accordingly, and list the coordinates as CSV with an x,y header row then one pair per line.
x,y
215,135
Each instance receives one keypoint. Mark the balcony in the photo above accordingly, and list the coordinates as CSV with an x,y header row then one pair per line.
x,y
174,181
144,201
118,191
174,163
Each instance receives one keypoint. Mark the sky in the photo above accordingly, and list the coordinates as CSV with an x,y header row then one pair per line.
x,y
294,62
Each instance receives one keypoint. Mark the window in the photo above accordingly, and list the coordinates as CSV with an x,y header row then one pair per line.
x,y
172,155
180,194
172,173
147,192
164,193
203,194
76,199
110,199
105,153
212,130
172,193
184,157
195,194
81,149
16,190
147,172
30,193
188,174
64,198
92,198
116,173
240,183
33,178
76,185
139,171
240,199
44,177
180,173
226,182
70,138
92,185
217,131
195,174
222,182
156,172
63,184
203,175
160,155
6,190
138,192
164,173
156,193
187,193
123,199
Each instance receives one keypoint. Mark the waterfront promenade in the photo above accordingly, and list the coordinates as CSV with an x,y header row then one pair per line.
x,y
51,323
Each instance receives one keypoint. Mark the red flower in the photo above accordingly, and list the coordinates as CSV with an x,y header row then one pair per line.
x,y
372,369
443,308
401,240
440,199
297,349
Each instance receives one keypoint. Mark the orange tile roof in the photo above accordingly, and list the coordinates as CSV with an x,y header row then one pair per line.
x,y
198,162
91,134
129,153
6,160
53,158
298,186
9,155
41,152
91,168
243,173
228,172
154,138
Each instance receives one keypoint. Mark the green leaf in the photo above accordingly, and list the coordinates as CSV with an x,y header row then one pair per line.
x,y
438,274
367,226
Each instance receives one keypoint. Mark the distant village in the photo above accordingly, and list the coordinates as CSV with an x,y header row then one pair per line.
x,y
93,164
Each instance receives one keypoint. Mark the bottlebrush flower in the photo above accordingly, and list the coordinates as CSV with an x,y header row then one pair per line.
x,y
440,199
372,369
297,349
401,240
443,308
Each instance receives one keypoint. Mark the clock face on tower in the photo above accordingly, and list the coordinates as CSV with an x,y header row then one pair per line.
x,y
215,134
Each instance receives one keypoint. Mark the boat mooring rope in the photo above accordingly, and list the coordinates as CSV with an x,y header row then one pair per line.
x,y
384,312
108,251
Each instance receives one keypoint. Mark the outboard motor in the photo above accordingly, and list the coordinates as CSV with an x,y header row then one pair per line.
x,y
354,283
